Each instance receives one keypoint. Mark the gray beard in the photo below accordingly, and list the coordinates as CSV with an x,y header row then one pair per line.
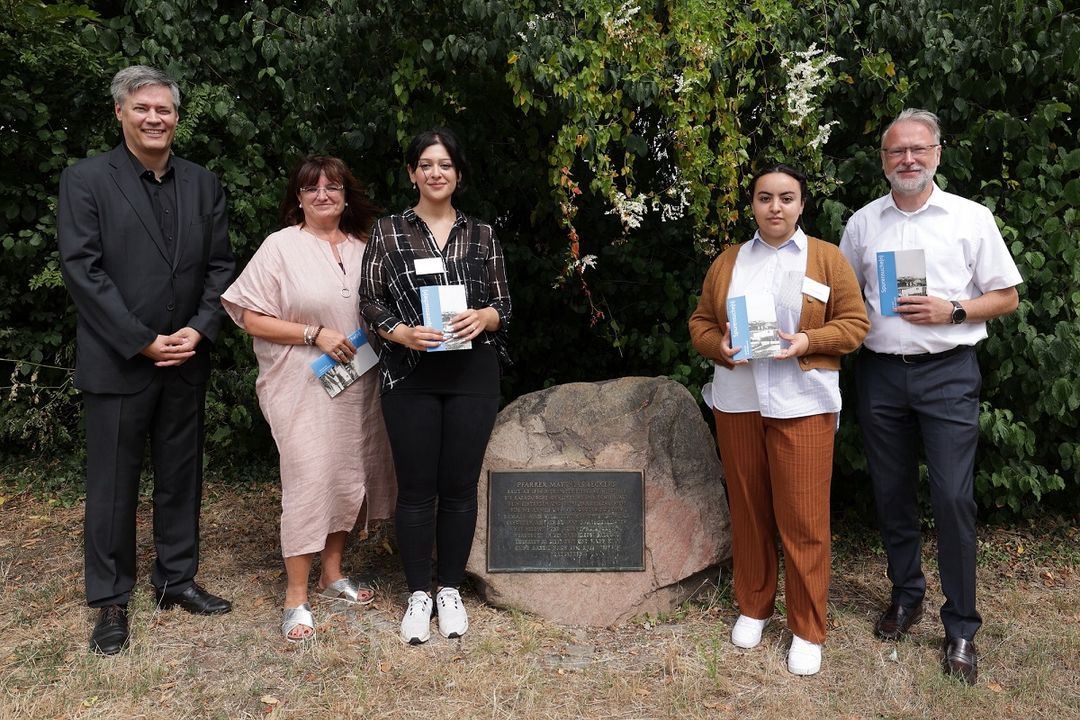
x,y
913,186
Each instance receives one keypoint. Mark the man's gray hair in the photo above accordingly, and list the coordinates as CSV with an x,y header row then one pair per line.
x,y
137,77
924,117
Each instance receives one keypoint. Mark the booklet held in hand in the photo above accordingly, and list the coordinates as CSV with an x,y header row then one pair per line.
x,y
441,304
336,376
753,326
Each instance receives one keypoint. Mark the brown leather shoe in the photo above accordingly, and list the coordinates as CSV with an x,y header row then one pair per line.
x,y
897,620
960,660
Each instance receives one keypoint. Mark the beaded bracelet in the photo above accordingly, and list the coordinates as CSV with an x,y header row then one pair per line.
x,y
315,337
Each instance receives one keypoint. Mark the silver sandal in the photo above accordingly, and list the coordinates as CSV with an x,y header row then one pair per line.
x,y
347,590
295,617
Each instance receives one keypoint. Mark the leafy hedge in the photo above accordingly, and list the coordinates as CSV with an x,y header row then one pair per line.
x,y
610,144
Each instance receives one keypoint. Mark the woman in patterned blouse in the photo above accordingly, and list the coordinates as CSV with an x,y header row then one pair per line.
x,y
439,406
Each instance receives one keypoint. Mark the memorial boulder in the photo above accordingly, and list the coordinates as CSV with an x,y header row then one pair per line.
x,y
651,425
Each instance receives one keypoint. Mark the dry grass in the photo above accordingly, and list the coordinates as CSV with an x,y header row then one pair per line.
x,y
510,665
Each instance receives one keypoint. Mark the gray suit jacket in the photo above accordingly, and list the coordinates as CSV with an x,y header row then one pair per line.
x,y
127,289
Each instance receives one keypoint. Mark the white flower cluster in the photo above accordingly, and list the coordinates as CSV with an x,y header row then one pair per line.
x,y
630,210
807,71
532,25
683,83
680,194
589,261
578,266
671,205
823,133
621,17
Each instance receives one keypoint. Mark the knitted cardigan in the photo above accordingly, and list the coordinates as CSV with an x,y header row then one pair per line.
x,y
835,327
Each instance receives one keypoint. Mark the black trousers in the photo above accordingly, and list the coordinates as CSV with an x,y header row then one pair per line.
x,y
438,437
168,412
937,402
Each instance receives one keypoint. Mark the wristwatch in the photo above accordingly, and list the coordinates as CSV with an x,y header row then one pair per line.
x,y
959,314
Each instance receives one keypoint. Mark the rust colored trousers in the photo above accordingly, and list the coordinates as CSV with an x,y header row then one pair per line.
x,y
778,477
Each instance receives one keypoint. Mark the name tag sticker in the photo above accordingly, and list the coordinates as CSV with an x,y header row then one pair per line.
x,y
816,290
429,266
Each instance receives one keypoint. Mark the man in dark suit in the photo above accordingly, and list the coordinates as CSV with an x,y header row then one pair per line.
x,y
144,252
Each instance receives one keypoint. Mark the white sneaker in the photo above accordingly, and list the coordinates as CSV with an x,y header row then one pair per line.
x,y
803,658
747,632
416,625
452,619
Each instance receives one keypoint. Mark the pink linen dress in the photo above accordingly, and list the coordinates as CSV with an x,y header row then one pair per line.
x,y
334,451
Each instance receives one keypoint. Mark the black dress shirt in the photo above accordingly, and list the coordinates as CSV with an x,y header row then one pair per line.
x,y
162,195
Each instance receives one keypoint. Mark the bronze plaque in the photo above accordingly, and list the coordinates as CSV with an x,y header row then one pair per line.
x,y
565,520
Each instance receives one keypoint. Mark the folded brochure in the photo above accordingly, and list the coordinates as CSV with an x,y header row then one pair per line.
x,y
753,326
336,376
440,304
901,273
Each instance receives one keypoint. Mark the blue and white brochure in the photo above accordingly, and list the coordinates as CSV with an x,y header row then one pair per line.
x,y
440,304
753,326
901,273
336,376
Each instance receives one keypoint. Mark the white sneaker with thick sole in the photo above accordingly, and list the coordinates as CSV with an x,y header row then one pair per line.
x,y
416,625
746,632
803,658
452,619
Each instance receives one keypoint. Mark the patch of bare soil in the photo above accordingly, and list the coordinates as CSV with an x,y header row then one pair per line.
x,y
511,665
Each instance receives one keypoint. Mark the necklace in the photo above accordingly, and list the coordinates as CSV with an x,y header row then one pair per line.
x,y
335,266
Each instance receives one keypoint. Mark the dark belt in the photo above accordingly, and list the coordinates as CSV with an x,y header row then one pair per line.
x,y
921,357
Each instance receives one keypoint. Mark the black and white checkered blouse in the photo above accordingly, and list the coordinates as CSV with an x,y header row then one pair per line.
x,y
389,284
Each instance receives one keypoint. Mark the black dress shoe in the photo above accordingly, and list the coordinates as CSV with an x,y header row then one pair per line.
x,y
110,635
195,600
897,620
960,660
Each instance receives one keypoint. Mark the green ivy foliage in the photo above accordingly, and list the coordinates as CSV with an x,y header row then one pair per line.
x,y
610,143
46,58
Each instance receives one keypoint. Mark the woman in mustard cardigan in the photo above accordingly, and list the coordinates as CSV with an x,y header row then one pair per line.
x,y
776,416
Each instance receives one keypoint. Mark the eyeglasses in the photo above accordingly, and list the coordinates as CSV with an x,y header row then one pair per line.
x,y
313,190
444,167
917,151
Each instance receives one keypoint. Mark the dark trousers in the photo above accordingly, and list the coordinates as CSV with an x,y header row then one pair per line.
x,y
937,402
438,441
170,413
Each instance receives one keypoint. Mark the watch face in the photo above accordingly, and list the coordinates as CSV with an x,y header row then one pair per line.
x,y
959,314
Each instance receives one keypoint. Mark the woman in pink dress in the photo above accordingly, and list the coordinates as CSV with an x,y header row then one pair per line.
x,y
297,298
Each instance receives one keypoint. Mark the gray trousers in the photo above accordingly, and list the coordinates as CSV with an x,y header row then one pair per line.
x,y
938,402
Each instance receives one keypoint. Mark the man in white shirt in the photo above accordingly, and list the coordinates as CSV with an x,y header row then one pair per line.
x,y
917,376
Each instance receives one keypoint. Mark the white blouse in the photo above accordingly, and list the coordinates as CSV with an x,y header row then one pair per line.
x,y
775,388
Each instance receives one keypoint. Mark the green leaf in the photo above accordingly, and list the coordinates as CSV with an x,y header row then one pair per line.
x,y
1072,192
1071,161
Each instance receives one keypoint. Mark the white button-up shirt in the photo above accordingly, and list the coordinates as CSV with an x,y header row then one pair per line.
x,y
965,257
775,388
